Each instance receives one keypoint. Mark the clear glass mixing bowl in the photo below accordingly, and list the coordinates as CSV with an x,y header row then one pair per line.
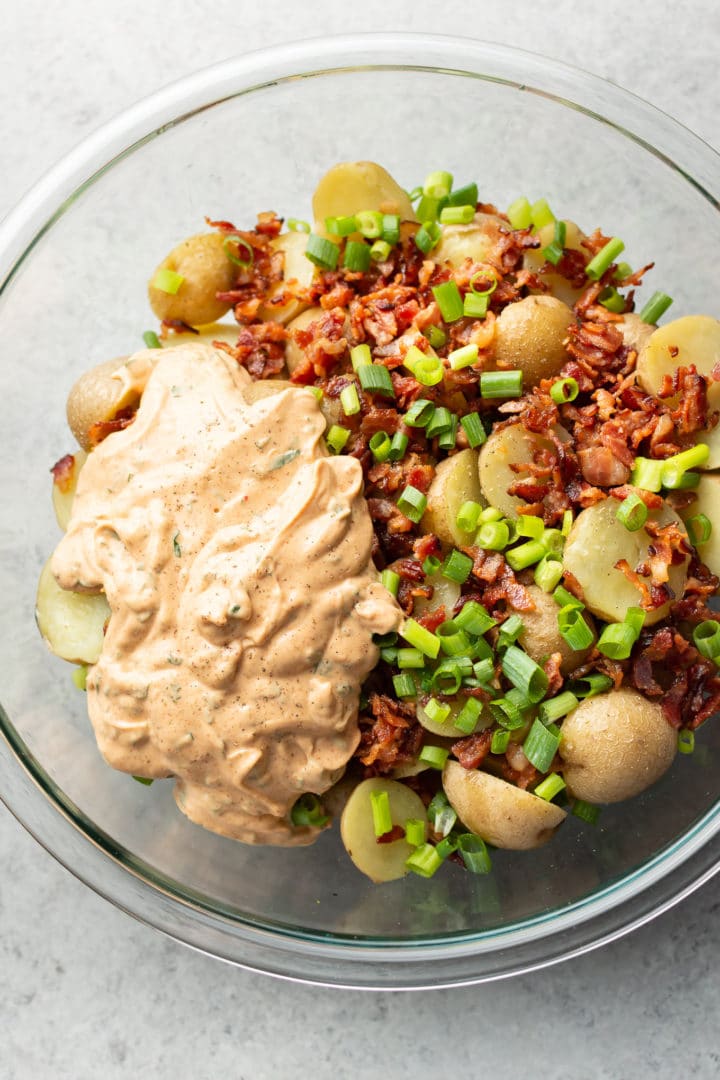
x,y
255,133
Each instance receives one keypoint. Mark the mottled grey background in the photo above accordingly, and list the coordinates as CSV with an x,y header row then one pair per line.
x,y
87,993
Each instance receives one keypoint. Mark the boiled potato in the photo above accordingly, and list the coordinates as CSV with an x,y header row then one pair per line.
x,y
540,634
512,445
228,332
455,482
64,484
447,728
534,260
97,396
202,262
298,273
359,185
635,332
294,355
475,241
445,592
500,813
614,746
263,388
596,542
412,768
693,339
379,862
530,335
71,623
708,503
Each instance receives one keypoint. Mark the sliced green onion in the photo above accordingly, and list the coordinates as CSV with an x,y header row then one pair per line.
x,y
686,481
632,512
79,676
617,640
398,446
144,780
676,466
410,658
429,209
463,357
457,567
431,565
484,670
427,237
152,340
500,741
349,400
391,228
586,811
506,713
590,685
607,255
482,275
564,599
551,786
519,558
380,251
467,195
524,673
474,618
382,818
435,336
656,306
341,226
474,430
548,573
437,711
490,513
474,853
428,371
529,525
322,252
415,832
441,420
468,716
475,307
446,847
389,654
375,379
647,473
501,384
422,639
468,516
336,438
574,629
424,861
360,356
706,636
404,686
541,214
384,640
356,257
567,522
453,639
540,746
564,390
686,741
699,529
557,707
447,680
370,223
553,541
241,246
493,536
380,444
622,271
167,281
457,215
415,193
316,391
419,414
412,503
308,810
434,756
611,299
447,438
519,213
555,250
438,184
298,225
391,581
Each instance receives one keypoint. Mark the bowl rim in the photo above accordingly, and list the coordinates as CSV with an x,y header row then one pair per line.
x,y
585,924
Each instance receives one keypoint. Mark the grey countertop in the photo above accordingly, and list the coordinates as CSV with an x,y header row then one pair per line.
x,y
84,991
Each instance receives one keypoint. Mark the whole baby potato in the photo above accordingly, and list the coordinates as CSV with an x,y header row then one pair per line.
x,y
455,482
540,635
614,746
96,396
530,335
499,812
203,263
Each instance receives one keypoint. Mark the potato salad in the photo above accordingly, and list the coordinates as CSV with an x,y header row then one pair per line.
x,y
503,469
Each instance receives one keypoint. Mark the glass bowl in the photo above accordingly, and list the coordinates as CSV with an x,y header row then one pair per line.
x,y
255,133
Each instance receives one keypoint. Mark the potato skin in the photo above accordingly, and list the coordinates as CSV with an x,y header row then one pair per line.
x,y
203,263
455,482
351,186
500,813
530,334
540,635
614,746
97,396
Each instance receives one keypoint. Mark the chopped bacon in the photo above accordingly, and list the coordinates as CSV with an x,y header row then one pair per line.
x,y
472,751
396,833
432,619
102,428
602,468
62,472
391,738
260,349
551,667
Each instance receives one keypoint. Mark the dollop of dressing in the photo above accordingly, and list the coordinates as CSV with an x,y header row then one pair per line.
x,y
234,552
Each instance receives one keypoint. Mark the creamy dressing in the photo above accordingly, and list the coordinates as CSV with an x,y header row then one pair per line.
x,y
235,556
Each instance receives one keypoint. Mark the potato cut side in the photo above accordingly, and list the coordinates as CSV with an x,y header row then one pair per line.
x,y
294,355
359,185
500,813
71,623
540,636
615,745
475,241
64,485
206,335
534,260
693,339
285,300
530,335
708,503
456,481
509,446
597,541
445,592
379,862
447,728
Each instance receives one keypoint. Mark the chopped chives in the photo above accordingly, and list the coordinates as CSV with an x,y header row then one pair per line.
x,y
564,599
590,685
617,640
341,226
474,853
656,306
555,708
436,336
554,251
468,516
431,565
356,257
349,400
382,818
412,503
501,384
522,671
474,306
424,861
380,251
467,195
434,756
493,536
519,558
586,811
167,281
415,832
453,639
500,741
548,573
441,420
390,228
152,340
541,214
632,512
474,430
322,252
437,711
391,581
457,567
699,529
410,658
551,786
457,215
298,225
647,473
375,379
573,628
686,741
308,810
706,636
404,686
360,356
540,746
427,237
611,299
519,213
421,638
447,438
529,525
438,184
369,223
468,716
604,258
463,357
564,390
336,438
398,446
380,444
474,618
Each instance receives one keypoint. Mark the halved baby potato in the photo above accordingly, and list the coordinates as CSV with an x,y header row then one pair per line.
x,y
284,301
445,592
64,484
72,623
541,636
351,186
534,260
379,862
693,339
508,446
294,355
455,482
475,241
596,542
707,502
499,812
206,335
447,728
206,270
530,335
97,396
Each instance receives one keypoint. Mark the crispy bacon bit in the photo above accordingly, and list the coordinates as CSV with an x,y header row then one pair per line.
x,y
602,468
432,619
391,738
62,472
396,833
551,667
323,341
260,349
102,428
472,751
